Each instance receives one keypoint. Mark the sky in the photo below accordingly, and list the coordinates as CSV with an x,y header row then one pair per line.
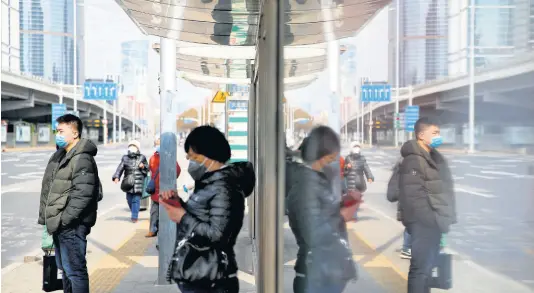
x,y
107,26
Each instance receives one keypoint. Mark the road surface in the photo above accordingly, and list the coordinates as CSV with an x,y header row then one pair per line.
x,y
21,185
495,206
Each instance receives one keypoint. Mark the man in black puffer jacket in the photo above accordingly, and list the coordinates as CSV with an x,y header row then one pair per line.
x,y
317,218
134,165
69,201
426,199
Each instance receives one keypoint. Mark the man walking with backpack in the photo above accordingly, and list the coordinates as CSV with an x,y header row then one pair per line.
x,y
69,200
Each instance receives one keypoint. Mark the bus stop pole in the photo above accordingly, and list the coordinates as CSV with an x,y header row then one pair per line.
x,y
167,229
271,149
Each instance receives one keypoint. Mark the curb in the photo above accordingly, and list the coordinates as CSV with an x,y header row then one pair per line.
x,y
37,254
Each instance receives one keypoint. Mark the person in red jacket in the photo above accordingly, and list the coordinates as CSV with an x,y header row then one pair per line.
x,y
154,209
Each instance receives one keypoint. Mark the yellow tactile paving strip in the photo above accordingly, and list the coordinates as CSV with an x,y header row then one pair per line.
x,y
113,267
376,264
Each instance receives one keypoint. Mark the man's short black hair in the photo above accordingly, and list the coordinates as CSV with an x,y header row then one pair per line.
x,y
423,123
321,142
210,142
72,120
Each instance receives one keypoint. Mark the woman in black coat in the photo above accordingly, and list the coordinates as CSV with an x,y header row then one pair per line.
x,y
357,171
208,224
134,165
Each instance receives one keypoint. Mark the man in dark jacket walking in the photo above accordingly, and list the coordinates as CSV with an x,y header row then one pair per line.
x,y
69,200
426,200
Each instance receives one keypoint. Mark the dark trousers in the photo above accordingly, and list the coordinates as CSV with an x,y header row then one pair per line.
x,y
230,286
301,285
70,245
154,217
134,202
425,250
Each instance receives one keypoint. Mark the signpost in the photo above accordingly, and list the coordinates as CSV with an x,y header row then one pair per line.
x,y
237,129
411,115
376,93
58,110
94,90
399,121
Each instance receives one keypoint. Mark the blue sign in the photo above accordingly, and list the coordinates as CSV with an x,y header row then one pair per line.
x,y
411,115
238,105
100,90
376,93
58,110
238,88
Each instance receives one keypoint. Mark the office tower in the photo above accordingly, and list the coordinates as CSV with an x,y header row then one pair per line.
x,y
423,40
47,39
10,35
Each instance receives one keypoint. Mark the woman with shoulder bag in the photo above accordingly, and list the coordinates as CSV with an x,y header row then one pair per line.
x,y
134,165
209,222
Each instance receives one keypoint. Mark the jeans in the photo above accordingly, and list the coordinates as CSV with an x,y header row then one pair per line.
x,y
134,202
154,217
425,250
230,286
407,240
300,285
71,246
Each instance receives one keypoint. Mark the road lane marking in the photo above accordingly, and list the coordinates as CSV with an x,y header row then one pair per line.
x,y
481,167
10,160
480,176
457,178
26,165
501,173
461,161
457,189
10,190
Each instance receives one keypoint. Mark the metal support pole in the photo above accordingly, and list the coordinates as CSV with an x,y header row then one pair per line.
x,y
472,79
410,102
120,119
271,149
115,121
133,117
251,154
167,228
105,126
75,56
61,94
370,124
397,69
362,124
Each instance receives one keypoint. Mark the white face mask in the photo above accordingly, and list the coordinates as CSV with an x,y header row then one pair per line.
x,y
356,150
132,149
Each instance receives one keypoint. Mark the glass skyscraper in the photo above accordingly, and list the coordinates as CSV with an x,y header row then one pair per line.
x,y
423,40
47,39
502,30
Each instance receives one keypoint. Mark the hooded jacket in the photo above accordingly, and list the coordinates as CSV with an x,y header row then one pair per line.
x,y
426,188
70,188
324,254
129,165
215,211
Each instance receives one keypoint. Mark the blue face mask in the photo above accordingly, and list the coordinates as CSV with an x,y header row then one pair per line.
x,y
436,142
157,149
60,141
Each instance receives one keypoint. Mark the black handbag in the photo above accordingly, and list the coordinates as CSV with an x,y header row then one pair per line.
x,y
52,277
442,273
127,183
199,266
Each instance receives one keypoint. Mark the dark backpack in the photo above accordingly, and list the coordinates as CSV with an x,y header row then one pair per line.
x,y
393,184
